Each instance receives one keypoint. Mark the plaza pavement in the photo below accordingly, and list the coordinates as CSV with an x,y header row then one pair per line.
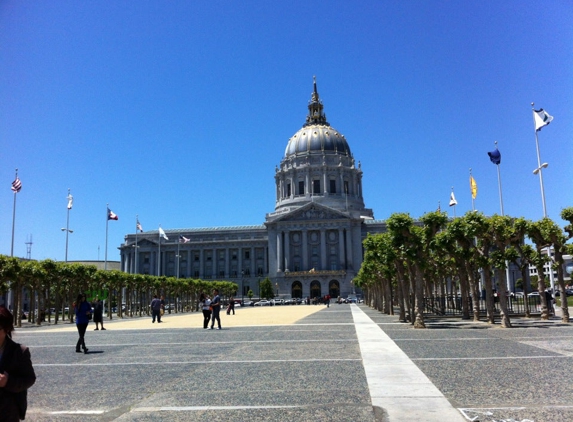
x,y
304,363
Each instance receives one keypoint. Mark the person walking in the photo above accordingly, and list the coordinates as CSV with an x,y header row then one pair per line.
x,y
156,309
216,306
98,313
83,316
205,304
16,372
231,307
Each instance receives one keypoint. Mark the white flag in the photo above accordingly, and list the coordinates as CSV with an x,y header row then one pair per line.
x,y
541,118
70,201
453,200
162,234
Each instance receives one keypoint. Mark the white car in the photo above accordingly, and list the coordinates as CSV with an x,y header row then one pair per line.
x,y
278,302
263,303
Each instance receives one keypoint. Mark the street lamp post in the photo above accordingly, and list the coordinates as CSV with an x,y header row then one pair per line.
x,y
277,286
67,229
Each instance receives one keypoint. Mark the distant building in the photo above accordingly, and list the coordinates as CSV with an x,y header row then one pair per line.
x,y
567,268
310,245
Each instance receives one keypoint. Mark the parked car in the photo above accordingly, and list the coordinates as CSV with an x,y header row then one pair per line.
x,y
278,302
289,302
249,303
263,303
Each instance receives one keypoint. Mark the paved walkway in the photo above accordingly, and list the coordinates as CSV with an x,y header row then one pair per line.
x,y
289,344
346,362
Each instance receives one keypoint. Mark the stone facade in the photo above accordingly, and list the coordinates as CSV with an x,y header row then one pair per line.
x,y
309,246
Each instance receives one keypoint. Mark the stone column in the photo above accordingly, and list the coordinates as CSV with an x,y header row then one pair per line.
x,y
341,257
349,249
279,252
305,249
253,262
323,249
201,263
287,250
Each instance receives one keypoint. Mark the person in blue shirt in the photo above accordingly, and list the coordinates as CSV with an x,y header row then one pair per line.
x,y
216,305
83,316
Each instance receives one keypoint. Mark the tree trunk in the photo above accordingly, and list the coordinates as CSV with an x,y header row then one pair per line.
x,y
489,299
502,295
419,299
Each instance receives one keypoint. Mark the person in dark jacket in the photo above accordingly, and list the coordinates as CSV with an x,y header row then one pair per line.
x,y
156,309
83,316
216,305
98,313
16,372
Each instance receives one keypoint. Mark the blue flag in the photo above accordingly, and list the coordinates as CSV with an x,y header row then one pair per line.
x,y
495,156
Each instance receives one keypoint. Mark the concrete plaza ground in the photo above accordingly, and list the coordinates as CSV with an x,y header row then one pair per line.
x,y
305,363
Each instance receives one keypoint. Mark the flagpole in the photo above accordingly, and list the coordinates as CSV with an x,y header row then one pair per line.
x,y
136,231
13,218
178,244
540,167
67,225
539,170
499,185
159,255
507,274
10,293
106,226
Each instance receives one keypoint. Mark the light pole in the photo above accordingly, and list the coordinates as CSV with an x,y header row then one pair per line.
x,y
67,233
67,229
277,286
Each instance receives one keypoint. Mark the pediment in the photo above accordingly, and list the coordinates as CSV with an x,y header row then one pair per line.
x,y
313,212
145,242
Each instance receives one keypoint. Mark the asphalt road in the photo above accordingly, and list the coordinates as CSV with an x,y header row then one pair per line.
x,y
309,369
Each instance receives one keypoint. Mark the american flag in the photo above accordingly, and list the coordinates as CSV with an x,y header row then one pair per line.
x,y
138,227
16,185
183,239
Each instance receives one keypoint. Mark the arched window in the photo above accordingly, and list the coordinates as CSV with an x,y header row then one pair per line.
x,y
296,289
334,288
315,289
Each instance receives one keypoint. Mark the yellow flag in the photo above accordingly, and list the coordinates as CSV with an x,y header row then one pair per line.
x,y
473,187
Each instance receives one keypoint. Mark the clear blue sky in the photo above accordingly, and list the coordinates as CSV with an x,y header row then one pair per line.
x,y
179,111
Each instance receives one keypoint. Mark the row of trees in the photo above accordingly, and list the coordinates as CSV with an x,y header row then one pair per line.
x,y
52,284
436,256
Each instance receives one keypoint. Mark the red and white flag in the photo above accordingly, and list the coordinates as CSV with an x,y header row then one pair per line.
x,y
111,215
16,185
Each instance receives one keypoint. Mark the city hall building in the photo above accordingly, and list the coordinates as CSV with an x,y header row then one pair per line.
x,y
309,246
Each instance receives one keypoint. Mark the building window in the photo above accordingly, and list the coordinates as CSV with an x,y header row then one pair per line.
x,y
316,186
288,189
301,188
333,186
247,254
346,187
